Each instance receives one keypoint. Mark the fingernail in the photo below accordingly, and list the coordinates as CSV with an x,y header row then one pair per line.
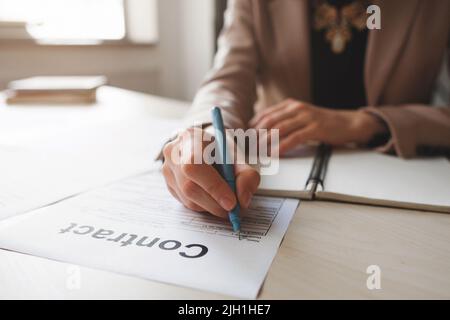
x,y
226,203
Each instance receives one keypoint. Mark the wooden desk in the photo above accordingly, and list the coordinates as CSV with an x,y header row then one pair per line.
x,y
325,252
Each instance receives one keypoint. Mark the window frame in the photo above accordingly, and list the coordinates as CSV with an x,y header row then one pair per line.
x,y
123,42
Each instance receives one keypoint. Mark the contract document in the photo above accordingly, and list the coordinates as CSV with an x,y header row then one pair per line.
x,y
136,227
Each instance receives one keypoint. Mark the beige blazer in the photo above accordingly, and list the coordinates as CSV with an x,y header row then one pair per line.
x,y
263,57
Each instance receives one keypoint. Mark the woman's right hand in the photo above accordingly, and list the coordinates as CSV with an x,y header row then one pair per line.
x,y
200,187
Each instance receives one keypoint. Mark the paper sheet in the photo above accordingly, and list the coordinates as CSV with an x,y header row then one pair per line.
x,y
293,171
50,170
377,176
136,227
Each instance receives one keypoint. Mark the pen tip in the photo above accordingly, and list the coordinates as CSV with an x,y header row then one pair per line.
x,y
235,223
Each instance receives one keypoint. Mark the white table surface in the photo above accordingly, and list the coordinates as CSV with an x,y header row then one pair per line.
x,y
324,254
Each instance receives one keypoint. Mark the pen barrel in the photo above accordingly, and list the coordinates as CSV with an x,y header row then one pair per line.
x,y
232,184
227,164
233,215
222,148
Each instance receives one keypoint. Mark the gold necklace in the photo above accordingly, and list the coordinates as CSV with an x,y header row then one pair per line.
x,y
338,22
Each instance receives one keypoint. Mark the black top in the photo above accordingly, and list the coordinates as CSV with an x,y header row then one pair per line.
x,y
338,78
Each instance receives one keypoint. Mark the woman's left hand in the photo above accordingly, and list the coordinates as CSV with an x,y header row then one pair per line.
x,y
300,122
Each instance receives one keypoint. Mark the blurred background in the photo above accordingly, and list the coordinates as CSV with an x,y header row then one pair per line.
x,y
162,47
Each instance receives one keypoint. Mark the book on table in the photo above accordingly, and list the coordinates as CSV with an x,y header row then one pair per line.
x,y
364,177
54,90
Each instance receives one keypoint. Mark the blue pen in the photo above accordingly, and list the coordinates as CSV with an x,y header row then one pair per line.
x,y
227,164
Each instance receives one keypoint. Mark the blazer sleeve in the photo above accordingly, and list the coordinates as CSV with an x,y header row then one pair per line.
x,y
231,83
417,129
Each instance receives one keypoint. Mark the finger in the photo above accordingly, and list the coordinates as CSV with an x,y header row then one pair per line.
x,y
173,189
192,206
171,151
247,182
270,120
267,111
260,115
170,181
288,126
168,175
174,193
188,203
195,194
212,183
297,137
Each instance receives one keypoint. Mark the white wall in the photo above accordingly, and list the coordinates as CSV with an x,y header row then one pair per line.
x,y
186,45
174,67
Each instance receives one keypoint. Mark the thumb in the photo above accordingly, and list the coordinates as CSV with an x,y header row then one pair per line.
x,y
247,181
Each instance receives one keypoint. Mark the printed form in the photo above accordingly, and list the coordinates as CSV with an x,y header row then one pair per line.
x,y
135,227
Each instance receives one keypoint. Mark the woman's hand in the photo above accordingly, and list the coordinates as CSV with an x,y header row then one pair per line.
x,y
300,122
199,186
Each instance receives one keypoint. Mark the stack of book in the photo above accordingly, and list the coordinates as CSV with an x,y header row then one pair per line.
x,y
54,90
14,30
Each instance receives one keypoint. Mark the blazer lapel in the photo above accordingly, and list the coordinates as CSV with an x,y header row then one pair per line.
x,y
291,31
385,46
